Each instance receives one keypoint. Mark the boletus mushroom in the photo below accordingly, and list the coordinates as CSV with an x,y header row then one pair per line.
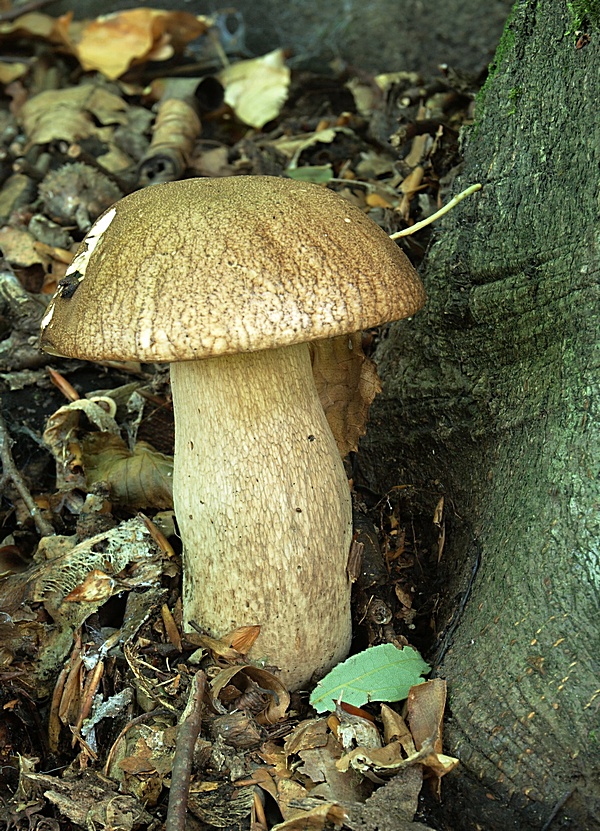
x,y
229,280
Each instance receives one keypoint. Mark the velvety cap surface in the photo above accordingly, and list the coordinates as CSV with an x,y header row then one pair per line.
x,y
206,267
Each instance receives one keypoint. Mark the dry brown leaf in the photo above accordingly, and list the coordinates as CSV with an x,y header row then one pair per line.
x,y
171,628
97,586
72,115
147,758
409,187
175,131
256,89
275,757
377,200
347,383
242,677
378,759
394,728
315,818
243,638
331,784
19,247
233,646
115,42
393,805
61,436
293,146
289,790
139,479
220,647
426,704
306,736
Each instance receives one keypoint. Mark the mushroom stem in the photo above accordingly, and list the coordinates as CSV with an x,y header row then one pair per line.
x,y
263,507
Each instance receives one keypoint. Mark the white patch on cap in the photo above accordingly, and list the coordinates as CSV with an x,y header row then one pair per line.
x,y
48,316
145,338
88,245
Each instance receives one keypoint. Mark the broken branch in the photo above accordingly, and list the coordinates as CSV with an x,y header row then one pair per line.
x,y
187,733
10,472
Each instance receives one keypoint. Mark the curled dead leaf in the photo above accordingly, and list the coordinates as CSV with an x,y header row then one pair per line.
x,y
62,438
72,114
314,818
115,42
232,646
347,383
426,704
248,681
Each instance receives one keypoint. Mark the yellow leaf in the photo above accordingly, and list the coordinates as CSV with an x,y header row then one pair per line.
x,y
114,42
256,89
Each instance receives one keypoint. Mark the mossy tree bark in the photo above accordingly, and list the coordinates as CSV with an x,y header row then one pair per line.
x,y
494,390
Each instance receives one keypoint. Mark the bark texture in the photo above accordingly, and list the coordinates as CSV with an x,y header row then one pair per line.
x,y
263,506
494,390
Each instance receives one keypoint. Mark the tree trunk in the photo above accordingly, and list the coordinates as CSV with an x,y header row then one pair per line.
x,y
494,390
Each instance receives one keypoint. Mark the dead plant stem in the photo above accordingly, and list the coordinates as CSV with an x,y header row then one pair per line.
x,y
10,471
187,733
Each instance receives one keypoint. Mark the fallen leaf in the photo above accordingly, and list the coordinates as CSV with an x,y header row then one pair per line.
x,y
307,735
347,382
426,704
37,25
394,728
19,247
142,478
242,677
61,436
72,114
315,818
115,42
293,146
97,586
257,88
9,72
380,673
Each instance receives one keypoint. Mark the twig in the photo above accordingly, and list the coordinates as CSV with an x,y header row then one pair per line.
x,y
424,222
187,733
559,805
10,471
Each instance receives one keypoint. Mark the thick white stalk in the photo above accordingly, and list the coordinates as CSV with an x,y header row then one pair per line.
x,y
263,507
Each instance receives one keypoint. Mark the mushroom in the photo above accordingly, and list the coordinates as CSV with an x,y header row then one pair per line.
x,y
229,280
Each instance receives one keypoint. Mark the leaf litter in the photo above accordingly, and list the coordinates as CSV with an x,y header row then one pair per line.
x,y
95,671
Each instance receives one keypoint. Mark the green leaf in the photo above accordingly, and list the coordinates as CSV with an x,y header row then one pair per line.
x,y
319,174
380,673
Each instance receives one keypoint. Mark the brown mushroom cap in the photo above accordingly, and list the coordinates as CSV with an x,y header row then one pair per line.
x,y
204,267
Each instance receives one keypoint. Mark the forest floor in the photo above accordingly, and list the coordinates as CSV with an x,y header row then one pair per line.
x,y
95,670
